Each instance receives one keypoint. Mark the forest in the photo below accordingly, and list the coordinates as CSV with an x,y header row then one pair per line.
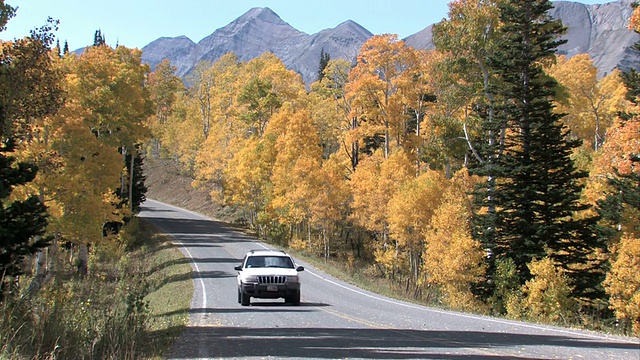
x,y
488,175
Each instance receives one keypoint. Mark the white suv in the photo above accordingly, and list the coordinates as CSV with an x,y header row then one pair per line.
x,y
268,274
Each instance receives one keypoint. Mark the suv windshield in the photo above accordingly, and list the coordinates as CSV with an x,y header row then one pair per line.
x,y
269,261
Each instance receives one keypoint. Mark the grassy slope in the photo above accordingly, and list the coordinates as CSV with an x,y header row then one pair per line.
x,y
169,299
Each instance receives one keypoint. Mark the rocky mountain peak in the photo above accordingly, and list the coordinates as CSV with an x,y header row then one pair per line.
x,y
600,30
263,14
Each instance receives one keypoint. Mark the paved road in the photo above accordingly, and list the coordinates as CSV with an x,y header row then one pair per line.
x,y
338,321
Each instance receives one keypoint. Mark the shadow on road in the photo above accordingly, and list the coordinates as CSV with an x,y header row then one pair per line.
x,y
281,308
191,228
331,343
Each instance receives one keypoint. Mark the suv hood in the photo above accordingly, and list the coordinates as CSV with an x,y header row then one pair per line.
x,y
269,271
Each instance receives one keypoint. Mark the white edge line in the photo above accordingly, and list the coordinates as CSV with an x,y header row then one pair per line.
x,y
199,275
475,317
417,307
191,259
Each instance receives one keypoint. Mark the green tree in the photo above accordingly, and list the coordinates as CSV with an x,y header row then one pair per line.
x,y
6,13
324,61
537,187
22,222
136,192
98,38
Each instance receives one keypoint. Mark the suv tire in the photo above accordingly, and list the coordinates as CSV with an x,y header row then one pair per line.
x,y
243,298
293,299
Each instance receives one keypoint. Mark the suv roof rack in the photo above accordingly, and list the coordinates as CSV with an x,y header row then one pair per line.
x,y
272,250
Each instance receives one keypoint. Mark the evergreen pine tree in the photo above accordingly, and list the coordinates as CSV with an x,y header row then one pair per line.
x,y
324,61
98,38
21,222
65,50
139,193
24,67
534,186
136,190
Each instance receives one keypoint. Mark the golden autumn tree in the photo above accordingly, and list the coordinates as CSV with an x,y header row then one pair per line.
x,y
373,89
297,164
182,136
263,86
453,260
247,177
106,94
623,282
417,91
81,183
201,94
335,103
470,33
614,168
225,135
467,40
445,115
267,84
373,185
410,212
329,209
592,104
30,91
164,87
619,163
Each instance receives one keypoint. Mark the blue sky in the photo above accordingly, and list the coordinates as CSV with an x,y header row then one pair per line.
x,y
135,23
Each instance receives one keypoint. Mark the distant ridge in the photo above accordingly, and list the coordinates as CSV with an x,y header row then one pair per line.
x,y
600,30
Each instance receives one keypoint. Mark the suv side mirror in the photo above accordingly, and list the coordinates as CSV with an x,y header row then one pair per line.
x,y
300,268
238,267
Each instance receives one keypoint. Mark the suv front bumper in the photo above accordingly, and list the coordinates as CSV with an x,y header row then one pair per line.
x,y
270,291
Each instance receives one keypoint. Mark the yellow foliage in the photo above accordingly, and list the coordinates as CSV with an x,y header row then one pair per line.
x,y
297,243
623,282
591,104
616,155
373,184
377,87
76,150
634,22
546,297
386,257
412,206
452,259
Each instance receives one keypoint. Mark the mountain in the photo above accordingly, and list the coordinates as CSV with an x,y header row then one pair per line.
x,y
600,30
257,31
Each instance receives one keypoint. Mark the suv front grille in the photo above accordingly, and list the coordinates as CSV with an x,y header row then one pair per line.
x,y
271,279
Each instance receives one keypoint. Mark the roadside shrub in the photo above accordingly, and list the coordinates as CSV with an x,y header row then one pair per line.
x,y
546,297
507,285
623,283
94,317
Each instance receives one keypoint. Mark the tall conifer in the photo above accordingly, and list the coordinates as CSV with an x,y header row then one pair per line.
x,y
535,187
324,61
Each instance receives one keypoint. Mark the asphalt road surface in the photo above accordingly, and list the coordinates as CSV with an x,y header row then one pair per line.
x,y
338,321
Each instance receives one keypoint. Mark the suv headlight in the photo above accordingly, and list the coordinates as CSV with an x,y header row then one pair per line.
x,y
292,279
250,279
